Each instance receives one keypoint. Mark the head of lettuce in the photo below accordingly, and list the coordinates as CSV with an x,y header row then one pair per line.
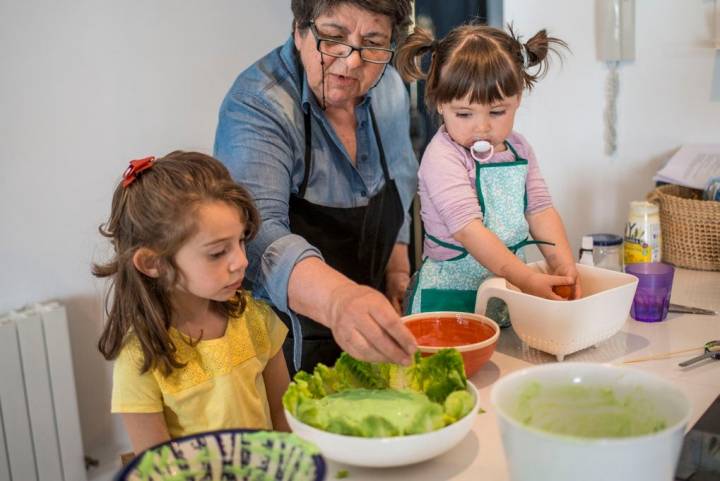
x,y
357,398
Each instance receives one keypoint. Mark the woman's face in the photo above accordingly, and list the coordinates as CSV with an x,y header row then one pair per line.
x,y
347,80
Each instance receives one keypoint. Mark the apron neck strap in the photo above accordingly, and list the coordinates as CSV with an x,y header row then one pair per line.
x,y
512,149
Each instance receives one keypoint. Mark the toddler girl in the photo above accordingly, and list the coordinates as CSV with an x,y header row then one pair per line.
x,y
193,351
480,189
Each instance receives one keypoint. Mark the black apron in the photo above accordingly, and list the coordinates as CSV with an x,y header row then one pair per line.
x,y
356,241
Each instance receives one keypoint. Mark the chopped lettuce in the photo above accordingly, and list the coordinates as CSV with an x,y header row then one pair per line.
x,y
358,398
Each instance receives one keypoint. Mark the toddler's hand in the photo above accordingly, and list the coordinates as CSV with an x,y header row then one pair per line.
x,y
570,270
541,285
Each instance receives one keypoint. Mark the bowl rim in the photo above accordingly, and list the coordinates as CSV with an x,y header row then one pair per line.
x,y
318,459
469,386
500,413
463,347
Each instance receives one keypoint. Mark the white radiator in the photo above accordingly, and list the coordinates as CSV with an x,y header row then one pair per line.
x,y
41,439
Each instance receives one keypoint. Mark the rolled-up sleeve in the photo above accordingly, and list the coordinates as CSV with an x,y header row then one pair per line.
x,y
252,142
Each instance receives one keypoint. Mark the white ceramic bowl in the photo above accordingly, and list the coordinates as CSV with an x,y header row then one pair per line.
x,y
535,455
384,452
563,327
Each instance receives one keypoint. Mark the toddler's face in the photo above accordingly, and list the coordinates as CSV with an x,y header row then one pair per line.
x,y
469,122
212,262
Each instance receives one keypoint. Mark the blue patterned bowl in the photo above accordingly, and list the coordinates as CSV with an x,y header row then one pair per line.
x,y
234,454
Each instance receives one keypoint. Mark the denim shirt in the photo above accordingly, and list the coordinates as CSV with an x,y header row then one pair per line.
x,y
260,138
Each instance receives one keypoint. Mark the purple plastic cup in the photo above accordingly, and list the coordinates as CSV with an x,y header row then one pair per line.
x,y
652,297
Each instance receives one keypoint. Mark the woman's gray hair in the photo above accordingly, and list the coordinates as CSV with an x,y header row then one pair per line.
x,y
399,11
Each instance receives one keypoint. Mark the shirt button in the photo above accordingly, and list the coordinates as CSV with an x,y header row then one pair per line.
x,y
363,157
363,193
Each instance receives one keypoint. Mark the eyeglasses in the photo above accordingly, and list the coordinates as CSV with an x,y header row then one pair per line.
x,y
338,49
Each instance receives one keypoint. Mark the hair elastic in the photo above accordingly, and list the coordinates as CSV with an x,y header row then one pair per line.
x,y
135,168
524,56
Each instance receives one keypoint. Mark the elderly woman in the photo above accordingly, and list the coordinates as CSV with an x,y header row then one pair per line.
x,y
318,130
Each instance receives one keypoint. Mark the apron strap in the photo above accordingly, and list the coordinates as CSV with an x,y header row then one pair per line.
x,y
463,252
526,241
378,140
308,155
512,149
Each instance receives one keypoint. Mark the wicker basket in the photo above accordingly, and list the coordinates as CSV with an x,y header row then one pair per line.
x,y
690,227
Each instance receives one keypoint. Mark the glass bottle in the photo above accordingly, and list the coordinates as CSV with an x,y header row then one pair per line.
x,y
607,251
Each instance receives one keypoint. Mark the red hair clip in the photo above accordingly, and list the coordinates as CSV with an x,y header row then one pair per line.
x,y
134,169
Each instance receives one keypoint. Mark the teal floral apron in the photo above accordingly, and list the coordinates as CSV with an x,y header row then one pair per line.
x,y
452,284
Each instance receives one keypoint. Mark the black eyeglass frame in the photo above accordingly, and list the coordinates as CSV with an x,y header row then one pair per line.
x,y
319,39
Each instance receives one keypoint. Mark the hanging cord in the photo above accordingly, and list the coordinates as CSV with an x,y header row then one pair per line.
x,y
322,67
612,85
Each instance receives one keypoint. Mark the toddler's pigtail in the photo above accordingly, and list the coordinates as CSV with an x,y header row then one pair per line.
x,y
534,55
409,55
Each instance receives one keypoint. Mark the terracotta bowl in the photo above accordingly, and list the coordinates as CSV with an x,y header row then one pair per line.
x,y
473,335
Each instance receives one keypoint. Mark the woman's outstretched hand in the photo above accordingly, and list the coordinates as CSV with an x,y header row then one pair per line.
x,y
367,326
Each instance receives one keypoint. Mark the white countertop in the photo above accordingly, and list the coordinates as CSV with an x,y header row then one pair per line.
x,y
480,455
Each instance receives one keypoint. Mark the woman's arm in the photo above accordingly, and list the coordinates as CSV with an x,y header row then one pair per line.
x,y
362,320
276,380
145,430
547,225
489,251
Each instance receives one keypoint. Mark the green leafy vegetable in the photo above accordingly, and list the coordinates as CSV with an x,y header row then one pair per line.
x,y
358,398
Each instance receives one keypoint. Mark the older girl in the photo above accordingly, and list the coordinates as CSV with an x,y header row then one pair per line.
x,y
193,351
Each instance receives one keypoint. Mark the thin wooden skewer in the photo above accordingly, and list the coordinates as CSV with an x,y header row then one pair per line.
x,y
662,356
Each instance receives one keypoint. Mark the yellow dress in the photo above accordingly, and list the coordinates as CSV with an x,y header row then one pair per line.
x,y
221,385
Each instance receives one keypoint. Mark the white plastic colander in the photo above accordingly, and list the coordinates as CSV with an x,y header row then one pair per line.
x,y
563,327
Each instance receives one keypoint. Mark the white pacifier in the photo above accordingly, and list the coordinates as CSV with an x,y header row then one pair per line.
x,y
481,150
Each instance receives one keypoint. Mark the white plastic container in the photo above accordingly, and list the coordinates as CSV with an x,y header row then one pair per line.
x,y
643,242
564,327
535,455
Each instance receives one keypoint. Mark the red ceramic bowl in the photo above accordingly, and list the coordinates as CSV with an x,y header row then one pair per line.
x,y
475,336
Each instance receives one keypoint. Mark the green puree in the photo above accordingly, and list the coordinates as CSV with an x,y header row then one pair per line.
x,y
587,412
398,407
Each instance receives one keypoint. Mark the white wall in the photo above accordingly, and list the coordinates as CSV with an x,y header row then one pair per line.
x,y
85,86
669,96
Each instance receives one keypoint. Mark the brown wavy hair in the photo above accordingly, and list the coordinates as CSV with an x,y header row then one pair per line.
x,y
485,62
157,211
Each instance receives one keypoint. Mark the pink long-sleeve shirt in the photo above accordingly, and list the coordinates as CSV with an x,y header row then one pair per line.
x,y
448,200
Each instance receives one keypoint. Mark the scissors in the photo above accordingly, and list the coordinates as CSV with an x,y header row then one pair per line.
x,y
712,351
690,310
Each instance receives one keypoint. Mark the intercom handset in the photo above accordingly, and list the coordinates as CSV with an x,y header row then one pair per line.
x,y
615,40
615,30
